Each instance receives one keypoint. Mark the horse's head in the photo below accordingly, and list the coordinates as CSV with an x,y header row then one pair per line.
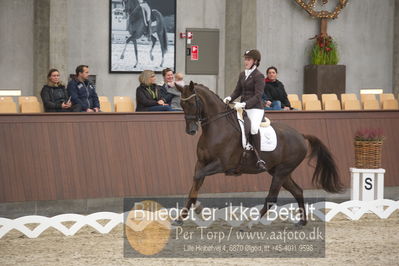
x,y
192,107
199,104
129,5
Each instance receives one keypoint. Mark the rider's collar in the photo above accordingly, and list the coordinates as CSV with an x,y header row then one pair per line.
x,y
249,71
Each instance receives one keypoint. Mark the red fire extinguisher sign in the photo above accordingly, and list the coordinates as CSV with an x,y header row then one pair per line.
x,y
194,53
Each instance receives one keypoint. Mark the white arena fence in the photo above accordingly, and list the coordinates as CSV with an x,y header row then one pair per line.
x,y
325,211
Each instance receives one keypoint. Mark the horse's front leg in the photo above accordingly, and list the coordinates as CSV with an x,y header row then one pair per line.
x,y
124,49
136,52
201,171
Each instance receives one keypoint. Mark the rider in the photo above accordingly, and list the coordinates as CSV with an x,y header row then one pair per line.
x,y
147,16
250,86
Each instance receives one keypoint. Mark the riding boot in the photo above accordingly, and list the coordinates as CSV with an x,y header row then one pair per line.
x,y
255,139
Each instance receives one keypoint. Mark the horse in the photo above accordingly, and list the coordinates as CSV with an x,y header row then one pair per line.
x,y
219,150
137,28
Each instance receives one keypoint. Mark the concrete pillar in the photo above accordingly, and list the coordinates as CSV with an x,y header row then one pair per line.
x,y
50,40
58,52
41,37
240,36
396,50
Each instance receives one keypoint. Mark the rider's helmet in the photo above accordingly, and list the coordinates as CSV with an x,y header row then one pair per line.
x,y
254,54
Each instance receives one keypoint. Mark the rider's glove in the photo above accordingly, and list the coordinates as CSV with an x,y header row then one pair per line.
x,y
238,106
227,100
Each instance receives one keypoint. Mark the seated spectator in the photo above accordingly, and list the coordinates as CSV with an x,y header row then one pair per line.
x,y
172,95
275,96
83,92
168,82
55,96
149,96
179,79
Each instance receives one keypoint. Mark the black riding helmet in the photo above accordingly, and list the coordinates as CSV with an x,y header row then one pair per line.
x,y
254,54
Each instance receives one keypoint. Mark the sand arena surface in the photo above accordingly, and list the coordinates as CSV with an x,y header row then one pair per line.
x,y
369,241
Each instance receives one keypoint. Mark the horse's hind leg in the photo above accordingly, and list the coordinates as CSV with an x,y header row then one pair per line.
x,y
277,182
154,41
124,49
136,52
297,192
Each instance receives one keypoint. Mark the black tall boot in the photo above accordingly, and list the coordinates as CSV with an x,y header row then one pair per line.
x,y
255,139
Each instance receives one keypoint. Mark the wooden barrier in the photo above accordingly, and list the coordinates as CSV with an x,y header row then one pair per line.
x,y
79,156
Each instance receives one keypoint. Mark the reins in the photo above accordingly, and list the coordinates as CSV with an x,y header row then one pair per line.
x,y
205,121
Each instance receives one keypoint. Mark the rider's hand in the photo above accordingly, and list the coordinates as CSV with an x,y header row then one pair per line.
x,y
238,106
268,103
227,100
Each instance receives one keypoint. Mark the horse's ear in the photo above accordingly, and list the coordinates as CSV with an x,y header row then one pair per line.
x,y
191,87
179,88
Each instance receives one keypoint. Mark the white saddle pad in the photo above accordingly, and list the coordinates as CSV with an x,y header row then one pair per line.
x,y
268,136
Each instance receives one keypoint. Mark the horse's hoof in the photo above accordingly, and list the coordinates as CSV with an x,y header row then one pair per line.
x,y
198,209
177,222
152,58
122,57
300,224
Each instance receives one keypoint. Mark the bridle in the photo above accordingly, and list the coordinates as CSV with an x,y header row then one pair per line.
x,y
198,109
198,117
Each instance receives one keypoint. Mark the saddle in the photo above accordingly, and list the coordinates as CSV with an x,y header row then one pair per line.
x,y
267,134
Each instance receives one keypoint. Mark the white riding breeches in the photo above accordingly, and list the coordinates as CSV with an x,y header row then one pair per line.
x,y
256,116
146,13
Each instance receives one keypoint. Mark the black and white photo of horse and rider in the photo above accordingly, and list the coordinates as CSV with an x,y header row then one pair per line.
x,y
142,35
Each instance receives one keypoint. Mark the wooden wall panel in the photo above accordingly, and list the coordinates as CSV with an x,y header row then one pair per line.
x,y
75,156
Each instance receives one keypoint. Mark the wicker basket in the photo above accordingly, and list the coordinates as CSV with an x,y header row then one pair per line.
x,y
368,154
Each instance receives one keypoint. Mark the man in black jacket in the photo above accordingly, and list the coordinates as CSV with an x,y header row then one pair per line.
x,y
83,92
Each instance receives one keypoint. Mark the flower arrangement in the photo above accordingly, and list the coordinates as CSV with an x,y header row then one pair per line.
x,y
369,134
324,51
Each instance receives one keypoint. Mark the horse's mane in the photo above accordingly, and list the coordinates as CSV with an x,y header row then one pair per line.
x,y
206,89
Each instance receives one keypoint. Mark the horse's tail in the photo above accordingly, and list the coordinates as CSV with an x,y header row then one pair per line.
x,y
326,174
161,29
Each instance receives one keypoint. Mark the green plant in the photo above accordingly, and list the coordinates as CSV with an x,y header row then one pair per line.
x,y
324,51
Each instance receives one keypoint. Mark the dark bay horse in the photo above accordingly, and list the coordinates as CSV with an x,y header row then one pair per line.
x,y
137,28
219,150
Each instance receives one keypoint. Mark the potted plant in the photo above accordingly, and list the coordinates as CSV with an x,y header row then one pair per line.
x,y
324,75
368,148
324,51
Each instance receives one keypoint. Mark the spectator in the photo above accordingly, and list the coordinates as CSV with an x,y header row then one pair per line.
x,y
179,79
148,95
172,95
55,96
275,95
82,91
168,82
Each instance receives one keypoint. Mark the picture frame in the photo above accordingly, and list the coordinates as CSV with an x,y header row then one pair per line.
x,y
129,23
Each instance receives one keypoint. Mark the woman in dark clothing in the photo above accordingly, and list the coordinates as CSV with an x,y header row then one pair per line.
x,y
55,96
149,96
250,85
275,96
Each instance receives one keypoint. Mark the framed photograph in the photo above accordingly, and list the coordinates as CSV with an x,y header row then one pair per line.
x,y
142,35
